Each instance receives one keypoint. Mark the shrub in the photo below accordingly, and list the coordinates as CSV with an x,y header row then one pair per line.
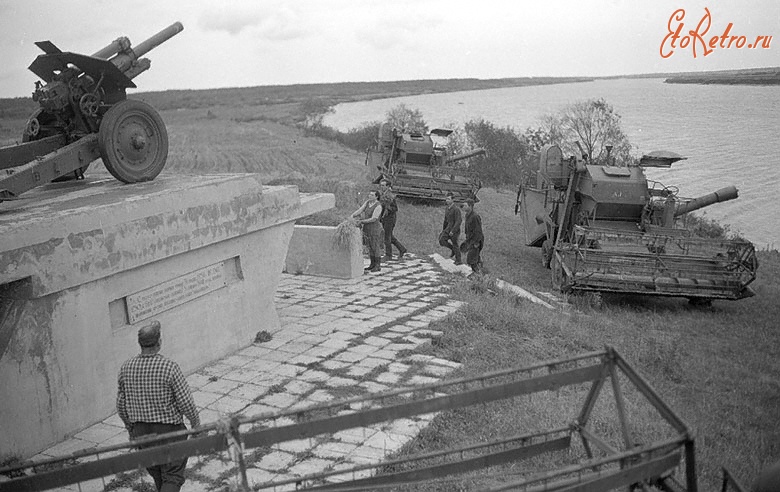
x,y
506,151
701,226
362,137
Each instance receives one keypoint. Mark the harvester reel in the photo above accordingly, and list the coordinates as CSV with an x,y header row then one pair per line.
x,y
133,141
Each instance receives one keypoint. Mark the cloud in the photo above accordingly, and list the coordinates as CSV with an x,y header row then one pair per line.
x,y
275,23
283,24
388,32
232,21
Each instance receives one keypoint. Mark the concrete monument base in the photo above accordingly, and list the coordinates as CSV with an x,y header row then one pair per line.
x,y
84,264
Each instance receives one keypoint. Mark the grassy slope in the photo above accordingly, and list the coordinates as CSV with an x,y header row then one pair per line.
x,y
716,367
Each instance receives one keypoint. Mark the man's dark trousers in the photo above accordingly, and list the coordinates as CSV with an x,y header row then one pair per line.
x,y
388,224
168,477
452,243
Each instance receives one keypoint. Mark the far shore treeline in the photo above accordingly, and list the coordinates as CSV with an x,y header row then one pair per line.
x,y
336,93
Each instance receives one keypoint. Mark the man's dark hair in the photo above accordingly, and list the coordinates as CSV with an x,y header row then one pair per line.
x,y
149,335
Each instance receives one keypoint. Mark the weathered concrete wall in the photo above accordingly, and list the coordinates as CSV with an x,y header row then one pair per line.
x,y
314,251
82,268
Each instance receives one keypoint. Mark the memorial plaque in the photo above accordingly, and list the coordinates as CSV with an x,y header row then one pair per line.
x,y
167,295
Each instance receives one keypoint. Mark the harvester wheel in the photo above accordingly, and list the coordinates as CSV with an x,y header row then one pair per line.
x,y
133,141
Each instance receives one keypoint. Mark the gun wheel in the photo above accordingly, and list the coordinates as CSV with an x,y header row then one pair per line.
x,y
133,141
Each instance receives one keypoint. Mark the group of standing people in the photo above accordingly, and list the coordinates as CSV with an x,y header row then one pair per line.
x,y
378,216
472,228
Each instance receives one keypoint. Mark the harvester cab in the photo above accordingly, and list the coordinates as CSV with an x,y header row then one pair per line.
x,y
607,228
419,166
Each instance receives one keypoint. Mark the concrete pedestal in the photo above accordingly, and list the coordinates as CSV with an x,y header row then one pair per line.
x,y
84,264
314,251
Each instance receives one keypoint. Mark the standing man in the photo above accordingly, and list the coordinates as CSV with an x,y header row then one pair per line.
x,y
152,398
389,210
475,240
451,230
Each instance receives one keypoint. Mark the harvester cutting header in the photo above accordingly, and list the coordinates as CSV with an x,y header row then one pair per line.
x,y
84,114
605,228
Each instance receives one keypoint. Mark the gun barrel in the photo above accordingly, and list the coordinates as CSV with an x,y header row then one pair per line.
x,y
722,195
127,57
158,39
117,45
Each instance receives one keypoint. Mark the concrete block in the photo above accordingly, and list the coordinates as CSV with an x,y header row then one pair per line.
x,y
314,251
84,264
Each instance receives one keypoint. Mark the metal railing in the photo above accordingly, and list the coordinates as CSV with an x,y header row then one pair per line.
x,y
601,466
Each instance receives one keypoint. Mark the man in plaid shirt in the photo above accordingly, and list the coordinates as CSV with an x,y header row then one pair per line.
x,y
152,398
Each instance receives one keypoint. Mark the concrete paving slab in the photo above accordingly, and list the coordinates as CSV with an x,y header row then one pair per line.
x,y
99,433
334,333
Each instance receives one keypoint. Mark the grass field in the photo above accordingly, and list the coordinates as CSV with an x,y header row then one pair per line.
x,y
717,367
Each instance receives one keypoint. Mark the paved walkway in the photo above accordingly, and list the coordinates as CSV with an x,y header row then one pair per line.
x,y
339,338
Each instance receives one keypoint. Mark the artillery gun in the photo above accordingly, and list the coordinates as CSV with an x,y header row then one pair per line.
x,y
420,167
604,228
84,114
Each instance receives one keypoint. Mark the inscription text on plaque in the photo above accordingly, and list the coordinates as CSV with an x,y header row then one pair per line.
x,y
167,295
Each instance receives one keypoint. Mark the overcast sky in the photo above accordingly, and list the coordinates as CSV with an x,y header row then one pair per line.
x,y
257,42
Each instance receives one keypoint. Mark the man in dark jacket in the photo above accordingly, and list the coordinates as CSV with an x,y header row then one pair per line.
x,y
475,240
389,211
451,230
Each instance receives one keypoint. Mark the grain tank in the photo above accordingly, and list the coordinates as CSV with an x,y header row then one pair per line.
x,y
607,228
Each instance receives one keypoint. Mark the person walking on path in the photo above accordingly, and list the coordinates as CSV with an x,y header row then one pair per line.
x,y
451,230
153,397
475,240
389,211
368,216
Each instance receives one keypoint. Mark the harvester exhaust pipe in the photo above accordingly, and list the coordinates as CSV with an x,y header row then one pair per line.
x,y
466,155
722,195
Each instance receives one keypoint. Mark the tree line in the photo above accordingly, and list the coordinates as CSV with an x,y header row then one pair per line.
x,y
511,154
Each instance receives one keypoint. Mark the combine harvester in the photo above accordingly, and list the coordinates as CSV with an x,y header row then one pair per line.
x,y
419,167
603,228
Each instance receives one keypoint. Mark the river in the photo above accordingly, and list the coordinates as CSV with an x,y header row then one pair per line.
x,y
728,133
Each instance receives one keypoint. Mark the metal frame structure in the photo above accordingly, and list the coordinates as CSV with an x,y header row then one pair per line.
x,y
601,466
